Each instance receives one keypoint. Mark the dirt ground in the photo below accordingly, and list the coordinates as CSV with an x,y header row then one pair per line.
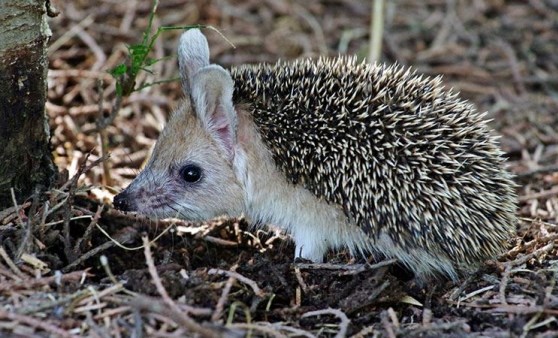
x,y
73,266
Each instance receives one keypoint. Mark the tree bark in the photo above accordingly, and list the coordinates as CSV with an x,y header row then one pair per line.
x,y
25,156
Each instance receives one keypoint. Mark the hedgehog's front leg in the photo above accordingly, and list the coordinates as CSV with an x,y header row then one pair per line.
x,y
315,225
271,200
309,250
310,241
318,226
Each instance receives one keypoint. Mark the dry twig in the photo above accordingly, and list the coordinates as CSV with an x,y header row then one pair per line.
x,y
257,291
343,326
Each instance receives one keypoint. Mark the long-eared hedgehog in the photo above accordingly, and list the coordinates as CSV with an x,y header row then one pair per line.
x,y
373,158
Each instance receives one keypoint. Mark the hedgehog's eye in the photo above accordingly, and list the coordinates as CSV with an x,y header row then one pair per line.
x,y
191,173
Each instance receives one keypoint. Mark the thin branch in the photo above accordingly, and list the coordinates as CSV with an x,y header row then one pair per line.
x,y
343,326
376,31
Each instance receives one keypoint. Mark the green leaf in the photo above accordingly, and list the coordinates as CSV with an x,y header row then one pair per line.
x,y
138,50
119,70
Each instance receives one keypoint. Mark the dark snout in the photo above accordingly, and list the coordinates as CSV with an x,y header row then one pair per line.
x,y
123,202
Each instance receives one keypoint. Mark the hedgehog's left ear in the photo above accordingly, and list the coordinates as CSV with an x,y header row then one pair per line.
x,y
193,55
211,93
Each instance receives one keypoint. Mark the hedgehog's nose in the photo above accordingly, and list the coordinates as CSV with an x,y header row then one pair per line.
x,y
121,201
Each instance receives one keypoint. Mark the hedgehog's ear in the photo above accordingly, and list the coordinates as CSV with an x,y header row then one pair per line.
x,y
193,55
212,89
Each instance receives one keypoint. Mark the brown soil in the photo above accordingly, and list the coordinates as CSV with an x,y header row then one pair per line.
x,y
223,278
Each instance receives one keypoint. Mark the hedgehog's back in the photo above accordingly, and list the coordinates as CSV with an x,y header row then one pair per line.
x,y
402,156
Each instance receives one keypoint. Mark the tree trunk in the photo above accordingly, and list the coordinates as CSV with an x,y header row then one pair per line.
x,y
25,155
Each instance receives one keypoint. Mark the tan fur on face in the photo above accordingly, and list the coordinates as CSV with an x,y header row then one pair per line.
x,y
159,189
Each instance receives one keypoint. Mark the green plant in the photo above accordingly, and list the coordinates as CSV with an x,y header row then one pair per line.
x,y
126,73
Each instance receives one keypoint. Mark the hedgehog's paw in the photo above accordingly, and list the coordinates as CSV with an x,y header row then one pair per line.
x,y
310,248
312,254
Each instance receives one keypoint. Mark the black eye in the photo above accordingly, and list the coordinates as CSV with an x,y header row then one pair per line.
x,y
191,173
